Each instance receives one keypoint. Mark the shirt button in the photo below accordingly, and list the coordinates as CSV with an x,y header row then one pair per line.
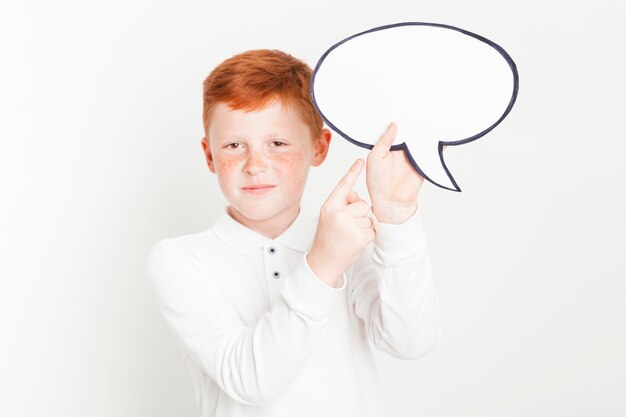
x,y
272,251
276,274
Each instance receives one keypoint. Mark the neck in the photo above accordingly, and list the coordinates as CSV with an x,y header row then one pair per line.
x,y
272,227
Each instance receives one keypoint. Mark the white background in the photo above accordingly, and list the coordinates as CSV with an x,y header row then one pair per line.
x,y
100,157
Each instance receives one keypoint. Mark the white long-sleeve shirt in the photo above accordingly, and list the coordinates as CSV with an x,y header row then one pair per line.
x,y
263,336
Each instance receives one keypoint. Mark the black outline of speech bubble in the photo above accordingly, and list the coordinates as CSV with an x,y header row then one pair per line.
x,y
403,145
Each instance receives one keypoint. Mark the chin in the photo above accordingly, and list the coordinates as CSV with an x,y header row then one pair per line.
x,y
256,212
261,211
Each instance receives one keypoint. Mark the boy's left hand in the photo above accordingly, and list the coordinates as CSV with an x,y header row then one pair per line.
x,y
392,182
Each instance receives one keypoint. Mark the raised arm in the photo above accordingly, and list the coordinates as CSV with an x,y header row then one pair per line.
x,y
392,290
391,285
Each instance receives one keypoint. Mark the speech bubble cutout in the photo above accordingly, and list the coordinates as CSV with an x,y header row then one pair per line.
x,y
442,85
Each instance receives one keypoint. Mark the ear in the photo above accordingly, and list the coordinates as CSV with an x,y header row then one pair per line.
x,y
321,145
207,154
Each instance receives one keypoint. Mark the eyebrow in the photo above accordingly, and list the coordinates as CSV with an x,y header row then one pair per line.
x,y
229,138
275,135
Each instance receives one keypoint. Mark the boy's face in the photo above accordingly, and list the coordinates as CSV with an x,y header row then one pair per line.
x,y
262,160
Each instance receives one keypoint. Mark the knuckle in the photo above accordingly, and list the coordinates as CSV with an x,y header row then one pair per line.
x,y
363,208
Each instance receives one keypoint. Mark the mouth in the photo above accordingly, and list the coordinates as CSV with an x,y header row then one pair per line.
x,y
258,188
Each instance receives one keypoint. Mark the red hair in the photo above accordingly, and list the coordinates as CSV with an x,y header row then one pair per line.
x,y
252,79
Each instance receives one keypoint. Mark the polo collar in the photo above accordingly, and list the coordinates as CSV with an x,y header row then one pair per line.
x,y
298,235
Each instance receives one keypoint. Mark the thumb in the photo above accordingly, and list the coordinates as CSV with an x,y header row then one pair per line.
x,y
342,190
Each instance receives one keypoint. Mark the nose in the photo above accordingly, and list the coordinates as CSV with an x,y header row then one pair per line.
x,y
255,164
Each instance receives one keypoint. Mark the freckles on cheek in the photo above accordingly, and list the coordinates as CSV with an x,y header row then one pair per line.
x,y
225,165
291,166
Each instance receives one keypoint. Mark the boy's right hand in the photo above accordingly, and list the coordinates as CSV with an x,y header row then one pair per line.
x,y
343,232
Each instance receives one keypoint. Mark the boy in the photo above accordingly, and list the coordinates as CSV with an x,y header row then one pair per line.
x,y
274,309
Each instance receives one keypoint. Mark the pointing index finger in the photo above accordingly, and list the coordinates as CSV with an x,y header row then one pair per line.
x,y
343,188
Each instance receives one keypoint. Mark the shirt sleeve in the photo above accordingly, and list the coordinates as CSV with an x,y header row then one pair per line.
x,y
252,364
391,289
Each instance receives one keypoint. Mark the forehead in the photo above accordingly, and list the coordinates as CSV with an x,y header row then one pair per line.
x,y
274,116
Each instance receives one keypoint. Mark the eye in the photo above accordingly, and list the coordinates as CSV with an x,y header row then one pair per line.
x,y
278,143
234,145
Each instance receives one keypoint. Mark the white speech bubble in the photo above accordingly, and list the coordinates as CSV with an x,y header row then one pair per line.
x,y
442,85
